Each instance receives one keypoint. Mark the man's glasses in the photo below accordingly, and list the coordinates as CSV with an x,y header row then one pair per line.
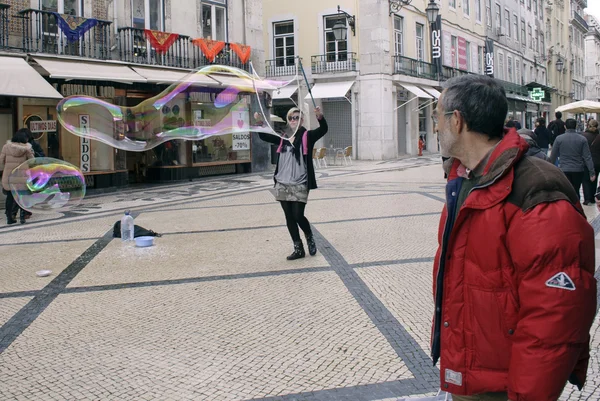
x,y
293,118
435,117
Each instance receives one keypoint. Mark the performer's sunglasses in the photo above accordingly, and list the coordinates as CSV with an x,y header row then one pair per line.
x,y
293,118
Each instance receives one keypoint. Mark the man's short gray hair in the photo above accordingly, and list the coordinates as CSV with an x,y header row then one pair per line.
x,y
481,101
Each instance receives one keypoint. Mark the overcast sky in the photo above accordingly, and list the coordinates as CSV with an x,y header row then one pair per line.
x,y
594,8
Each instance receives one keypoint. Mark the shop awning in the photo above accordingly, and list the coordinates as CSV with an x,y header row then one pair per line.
x,y
101,71
18,78
418,92
330,89
160,75
224,81
434,92
286,92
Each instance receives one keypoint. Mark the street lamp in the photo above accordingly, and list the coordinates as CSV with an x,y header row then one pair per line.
x,y
432,11
339,28
559,65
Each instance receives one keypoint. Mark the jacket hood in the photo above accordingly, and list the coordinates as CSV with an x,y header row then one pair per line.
x,y
16,149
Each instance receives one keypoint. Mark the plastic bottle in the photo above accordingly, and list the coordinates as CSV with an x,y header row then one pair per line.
x,y
127,227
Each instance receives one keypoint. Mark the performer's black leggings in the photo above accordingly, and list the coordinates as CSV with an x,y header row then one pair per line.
x,y
294,217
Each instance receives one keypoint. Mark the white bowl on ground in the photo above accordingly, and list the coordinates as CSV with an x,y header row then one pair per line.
x,y
43,273
143,242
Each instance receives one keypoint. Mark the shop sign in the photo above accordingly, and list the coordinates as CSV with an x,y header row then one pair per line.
x,y
241,134
84,125
241,141
42,126
537,94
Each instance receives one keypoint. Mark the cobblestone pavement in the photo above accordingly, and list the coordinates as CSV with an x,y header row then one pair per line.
x,y
214,311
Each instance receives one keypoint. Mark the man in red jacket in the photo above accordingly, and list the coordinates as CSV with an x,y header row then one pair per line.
x,y
513,282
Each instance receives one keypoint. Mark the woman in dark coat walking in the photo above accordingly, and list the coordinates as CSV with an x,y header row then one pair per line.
x,y
295,175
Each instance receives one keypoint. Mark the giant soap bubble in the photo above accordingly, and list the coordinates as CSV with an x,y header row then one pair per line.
x,y
47,185
214,100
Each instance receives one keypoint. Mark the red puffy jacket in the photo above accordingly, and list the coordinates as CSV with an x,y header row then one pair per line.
x,y
515,294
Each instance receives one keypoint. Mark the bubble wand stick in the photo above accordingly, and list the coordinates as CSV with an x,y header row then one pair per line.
x,y
307,85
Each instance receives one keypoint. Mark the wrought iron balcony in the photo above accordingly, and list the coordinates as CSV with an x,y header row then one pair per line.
x,y
517,89
333,62
135,47
414,68
226,57
579,20
281,67
42,33
4,25
449,72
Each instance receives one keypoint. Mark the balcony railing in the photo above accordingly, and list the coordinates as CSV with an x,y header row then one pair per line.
x,y
333,62
517,89
134,47
225,57
42,34
414,68
580,20
449,72
280,67
4,25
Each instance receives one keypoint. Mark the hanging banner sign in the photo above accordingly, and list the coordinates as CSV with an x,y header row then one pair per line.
x,y
84,125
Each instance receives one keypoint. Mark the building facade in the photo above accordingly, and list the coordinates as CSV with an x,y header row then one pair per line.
x,y
560,75
378,86
124,52
577,35
592,59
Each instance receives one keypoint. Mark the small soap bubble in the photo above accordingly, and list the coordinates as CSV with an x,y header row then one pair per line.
x,y
47,185
209,102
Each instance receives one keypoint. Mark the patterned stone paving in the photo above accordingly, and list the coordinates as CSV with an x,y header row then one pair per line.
x,y
214,311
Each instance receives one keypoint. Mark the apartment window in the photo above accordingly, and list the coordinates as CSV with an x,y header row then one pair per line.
x,y
214,21
529,4
467,7
468,56
480,56
516,27
454,40
500,66
532,76
478,10
541,10
283,43
509,66
507,22
523,35
537,41
535,7
488,13
336,50
543,78
498,16
518,71
70,7
420,43
398,35
452,3
530,37
542,44
549,30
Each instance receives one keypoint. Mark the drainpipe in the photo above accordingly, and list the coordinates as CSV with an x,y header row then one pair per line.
x,y
245,21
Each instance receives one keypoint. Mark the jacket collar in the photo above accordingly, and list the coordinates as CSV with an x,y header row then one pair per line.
x,y
502,158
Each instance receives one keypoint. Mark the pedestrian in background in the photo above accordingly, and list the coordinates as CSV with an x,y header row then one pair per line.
x,y
511,319
589,187
14,153
543,135
575,156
